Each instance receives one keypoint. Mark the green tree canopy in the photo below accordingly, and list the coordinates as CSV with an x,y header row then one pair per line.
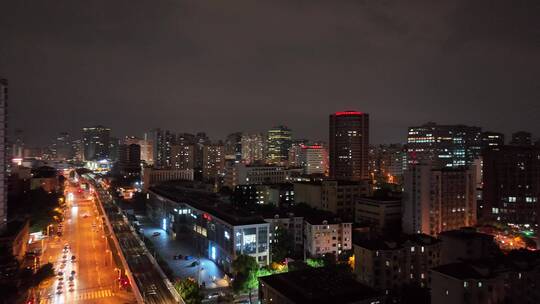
x,y
245,269
189,290
44,272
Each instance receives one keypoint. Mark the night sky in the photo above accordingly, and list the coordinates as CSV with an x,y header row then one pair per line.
x,y
245,65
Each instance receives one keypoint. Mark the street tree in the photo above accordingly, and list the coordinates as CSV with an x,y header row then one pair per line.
x,y
189,290
245,270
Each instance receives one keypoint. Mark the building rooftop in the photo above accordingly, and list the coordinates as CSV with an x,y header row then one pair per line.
x,y
468,234
381,200
44,172
311,215
319,285
460,271
340,182
517,260
386,243
208,202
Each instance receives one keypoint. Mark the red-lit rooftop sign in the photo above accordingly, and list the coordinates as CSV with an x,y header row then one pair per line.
x,y
311,147
344,113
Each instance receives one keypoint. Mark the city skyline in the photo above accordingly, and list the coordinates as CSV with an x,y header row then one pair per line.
x,y
458,64
270,152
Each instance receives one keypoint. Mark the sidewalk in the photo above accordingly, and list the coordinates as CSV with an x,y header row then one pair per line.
x,y
167,248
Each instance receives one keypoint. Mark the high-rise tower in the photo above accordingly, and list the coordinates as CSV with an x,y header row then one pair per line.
x,y
349,145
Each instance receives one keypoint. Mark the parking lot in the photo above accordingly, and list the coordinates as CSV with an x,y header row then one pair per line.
x,y
208,272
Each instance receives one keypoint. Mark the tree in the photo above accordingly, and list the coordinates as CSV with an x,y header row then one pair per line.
x,y
189,290
44,272
245,269
282,247
315,263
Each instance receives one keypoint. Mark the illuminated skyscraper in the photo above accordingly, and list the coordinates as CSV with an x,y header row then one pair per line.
x,y
511,183
162,141
295,152
62,147
147,148
492,141
279,142
213,161
183,155
349,145
253,146
96,143
438,199
233,147
444,146
314,159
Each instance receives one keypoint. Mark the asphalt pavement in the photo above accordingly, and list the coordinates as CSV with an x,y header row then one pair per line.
x,y
84,266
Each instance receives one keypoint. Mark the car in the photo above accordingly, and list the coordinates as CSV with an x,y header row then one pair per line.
x,y
59,287
156,233
71,278
73,272
60,273
71,290
59,292
73,257
61,278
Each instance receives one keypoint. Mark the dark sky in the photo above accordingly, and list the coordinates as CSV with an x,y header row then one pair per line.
x,y
228,65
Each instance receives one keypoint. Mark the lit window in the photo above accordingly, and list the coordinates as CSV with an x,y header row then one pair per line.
x,y
479,284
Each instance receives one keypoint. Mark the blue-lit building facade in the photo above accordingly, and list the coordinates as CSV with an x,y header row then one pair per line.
x,y
219,232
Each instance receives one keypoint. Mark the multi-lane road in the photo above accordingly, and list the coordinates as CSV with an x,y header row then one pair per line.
x,y
85,271
151,282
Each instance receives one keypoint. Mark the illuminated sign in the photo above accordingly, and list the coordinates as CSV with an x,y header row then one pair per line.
x,y
347,113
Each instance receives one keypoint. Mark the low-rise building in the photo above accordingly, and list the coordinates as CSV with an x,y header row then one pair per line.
x,y
511,278
293,224
326,235
277,195
153,176
466,244
390,264
315,286
220,231
335,196
382,214
254,174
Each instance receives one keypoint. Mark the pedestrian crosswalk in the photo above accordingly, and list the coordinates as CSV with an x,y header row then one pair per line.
x,y
96,294
81,297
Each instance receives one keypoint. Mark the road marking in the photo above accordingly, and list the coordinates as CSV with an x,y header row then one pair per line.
x,y
96,294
